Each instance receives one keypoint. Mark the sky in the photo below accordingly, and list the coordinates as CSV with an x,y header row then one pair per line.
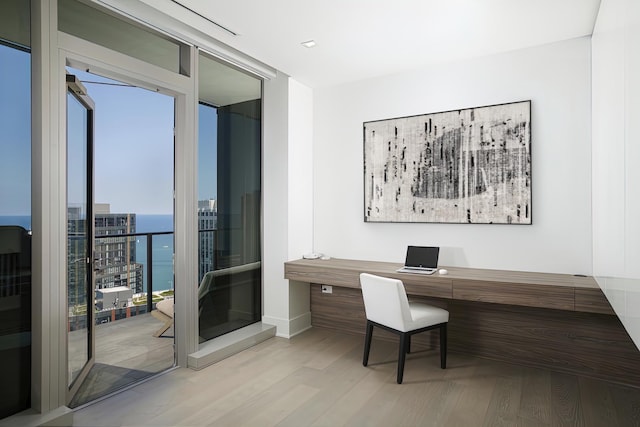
x,y
134,163
15,134
133,148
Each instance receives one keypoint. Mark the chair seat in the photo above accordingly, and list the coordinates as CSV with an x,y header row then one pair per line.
x,y
166,306
423,315
163,312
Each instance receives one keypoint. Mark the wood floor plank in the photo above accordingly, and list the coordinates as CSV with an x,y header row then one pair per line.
x,y
424,397
354,398
597,403
478,387
505,402
333,382
535,400
324,353
335,350
346,406
566,406
270,411
199,393
231,391
430,404
380,407
627,405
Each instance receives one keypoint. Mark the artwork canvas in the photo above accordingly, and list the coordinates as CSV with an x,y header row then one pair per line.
x,y
463,166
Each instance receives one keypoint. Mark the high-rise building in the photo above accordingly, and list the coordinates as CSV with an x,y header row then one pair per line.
x,y
207,224
116,256
76,261
114,260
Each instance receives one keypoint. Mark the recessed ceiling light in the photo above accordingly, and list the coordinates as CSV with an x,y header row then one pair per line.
x,y
309,43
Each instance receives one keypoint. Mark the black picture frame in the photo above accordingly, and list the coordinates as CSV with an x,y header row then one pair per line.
x,y
470,165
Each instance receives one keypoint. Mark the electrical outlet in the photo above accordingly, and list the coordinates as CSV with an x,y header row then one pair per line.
x,y
327,289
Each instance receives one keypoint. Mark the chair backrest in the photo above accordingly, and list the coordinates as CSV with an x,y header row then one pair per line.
x,y
385,301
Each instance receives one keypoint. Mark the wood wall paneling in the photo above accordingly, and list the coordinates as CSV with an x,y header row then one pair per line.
x,y
592,300
344,310
532,295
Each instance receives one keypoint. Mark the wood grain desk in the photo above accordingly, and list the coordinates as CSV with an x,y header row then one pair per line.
x,y
544,290
555,321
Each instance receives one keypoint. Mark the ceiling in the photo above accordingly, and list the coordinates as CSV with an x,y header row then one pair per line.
x,y
359,39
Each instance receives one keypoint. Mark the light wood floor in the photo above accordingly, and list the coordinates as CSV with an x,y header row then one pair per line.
x,y
317,379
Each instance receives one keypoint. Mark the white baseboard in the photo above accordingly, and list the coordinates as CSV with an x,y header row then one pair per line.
x,y
288,328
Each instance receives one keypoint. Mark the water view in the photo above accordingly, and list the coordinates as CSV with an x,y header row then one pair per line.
x,y
162,249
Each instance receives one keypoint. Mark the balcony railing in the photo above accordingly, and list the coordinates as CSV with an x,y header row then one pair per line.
x,y
156,282
116,266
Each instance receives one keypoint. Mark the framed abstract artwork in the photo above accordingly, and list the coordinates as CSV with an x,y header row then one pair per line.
x,y
463,166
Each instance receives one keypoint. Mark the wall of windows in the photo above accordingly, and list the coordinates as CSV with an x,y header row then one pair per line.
x,y
226,189
15,207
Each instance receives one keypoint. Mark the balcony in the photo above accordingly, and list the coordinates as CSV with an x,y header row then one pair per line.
x,y
126,352
129,268
133,273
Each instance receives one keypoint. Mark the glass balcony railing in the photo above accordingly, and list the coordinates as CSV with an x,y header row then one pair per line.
x,y
133,272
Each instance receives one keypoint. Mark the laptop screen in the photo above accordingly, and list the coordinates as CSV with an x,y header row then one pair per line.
x,y
422,256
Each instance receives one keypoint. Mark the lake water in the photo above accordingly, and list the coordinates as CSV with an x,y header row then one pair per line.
x,y
162,249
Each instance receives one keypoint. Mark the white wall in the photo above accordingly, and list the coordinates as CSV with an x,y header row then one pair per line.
x,y
300,163
300,182
556,78
616,153
287,200
275,294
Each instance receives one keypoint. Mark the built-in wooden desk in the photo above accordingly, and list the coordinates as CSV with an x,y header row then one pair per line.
x,y
556,321
543,290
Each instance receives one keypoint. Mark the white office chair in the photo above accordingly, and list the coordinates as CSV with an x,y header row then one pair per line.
x,y
387,307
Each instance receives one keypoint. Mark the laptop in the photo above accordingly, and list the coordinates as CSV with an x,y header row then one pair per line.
x,y
421,260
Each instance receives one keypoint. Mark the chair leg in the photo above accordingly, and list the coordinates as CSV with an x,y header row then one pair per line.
x,y
408,344
402,354
367,343
443,346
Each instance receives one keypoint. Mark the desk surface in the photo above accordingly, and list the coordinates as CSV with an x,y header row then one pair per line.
x,y
543,290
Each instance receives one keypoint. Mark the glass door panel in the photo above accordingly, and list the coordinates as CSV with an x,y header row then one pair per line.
x,y
229,187
132,155
15,214
80,298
